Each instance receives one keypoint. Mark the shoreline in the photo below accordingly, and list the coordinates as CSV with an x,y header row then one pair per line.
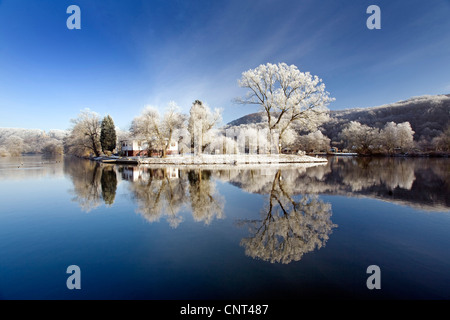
x,y
228,160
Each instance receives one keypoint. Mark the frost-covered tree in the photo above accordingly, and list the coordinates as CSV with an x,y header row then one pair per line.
x,y
144,126
201,122
394,136
289,98
361,138
314,142
442,142
184,140
53,147
174,123
389,136
15,141
253,139
84,136
158,130
221,144
14,146
4,152
405,136
248,138
108,135
288,138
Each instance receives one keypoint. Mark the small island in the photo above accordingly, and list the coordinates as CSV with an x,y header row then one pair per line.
x,y
207,159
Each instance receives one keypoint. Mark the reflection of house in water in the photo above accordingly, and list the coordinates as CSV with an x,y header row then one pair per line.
x,y
141,173
172,173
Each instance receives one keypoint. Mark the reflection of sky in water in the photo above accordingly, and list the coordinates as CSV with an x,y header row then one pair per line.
x,y
129,247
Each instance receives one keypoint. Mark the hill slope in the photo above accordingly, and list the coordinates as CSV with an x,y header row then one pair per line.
x,y
428,116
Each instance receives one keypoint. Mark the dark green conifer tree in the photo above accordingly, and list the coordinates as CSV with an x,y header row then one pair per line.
x,y
108,134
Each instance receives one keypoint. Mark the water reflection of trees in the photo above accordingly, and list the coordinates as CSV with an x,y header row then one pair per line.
x,y
294,219
157,193
365,172
92,183
417,182
163,192
424,183
206,202
109,184
289,228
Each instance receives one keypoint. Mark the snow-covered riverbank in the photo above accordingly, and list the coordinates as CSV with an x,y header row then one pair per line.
x,y
230,159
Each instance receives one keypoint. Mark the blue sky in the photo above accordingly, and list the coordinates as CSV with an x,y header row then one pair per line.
x,y
129,54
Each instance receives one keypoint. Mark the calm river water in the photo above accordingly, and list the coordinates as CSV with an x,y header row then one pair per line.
x,y
257,232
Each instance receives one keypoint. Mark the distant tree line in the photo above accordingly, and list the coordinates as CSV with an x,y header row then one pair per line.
x,y
14,141
368,140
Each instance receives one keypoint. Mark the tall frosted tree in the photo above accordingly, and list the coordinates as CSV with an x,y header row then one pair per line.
x,y
108,136
314,141
202,120
289,98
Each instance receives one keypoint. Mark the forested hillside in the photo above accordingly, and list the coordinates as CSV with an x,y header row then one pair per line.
x,y
429,117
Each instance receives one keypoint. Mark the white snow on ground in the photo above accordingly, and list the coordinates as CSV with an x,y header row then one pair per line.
x,y
231,159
